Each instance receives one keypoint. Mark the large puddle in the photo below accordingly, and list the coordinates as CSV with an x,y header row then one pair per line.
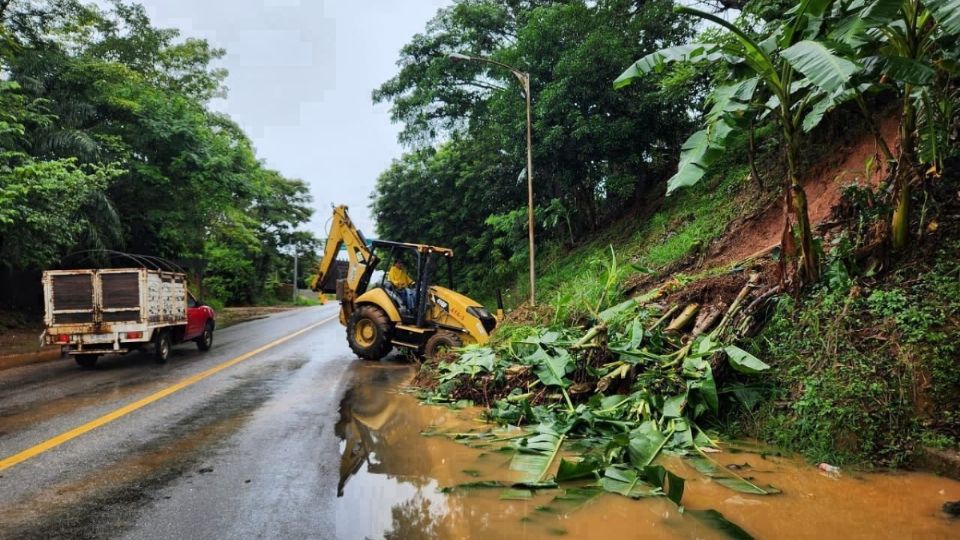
x,y
391,480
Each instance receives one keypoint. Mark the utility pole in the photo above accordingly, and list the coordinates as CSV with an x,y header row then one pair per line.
x,y
296,254
524,79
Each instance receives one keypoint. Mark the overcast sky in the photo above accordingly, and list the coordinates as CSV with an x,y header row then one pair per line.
x,y
301,74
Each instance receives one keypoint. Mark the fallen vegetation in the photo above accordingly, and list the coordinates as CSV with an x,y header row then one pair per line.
x,y
602,397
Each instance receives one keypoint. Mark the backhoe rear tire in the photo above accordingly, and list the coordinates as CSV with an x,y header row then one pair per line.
x,y
368,332
441,342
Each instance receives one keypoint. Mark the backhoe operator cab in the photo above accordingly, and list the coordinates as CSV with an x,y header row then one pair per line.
x,y
416,313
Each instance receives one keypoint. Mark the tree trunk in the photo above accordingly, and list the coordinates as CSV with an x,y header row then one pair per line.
x,y
796,195
811,264
900,220
752,157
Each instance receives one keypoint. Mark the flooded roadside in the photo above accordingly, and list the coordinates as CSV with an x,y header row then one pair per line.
x,y
392,480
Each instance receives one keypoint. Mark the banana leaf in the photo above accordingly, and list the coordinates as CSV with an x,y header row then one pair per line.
x,y
946,13
907,70
691,52
673,406
645,444
669,483
535,455
825,70
698,152
701,382
717,521
551,369
575,470
574,499
497,484
613,311
627,482
636,334
516,495
725,477
743,361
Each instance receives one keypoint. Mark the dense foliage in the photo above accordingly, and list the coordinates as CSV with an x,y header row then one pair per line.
x,y
775,87
600,153
596,150
107,142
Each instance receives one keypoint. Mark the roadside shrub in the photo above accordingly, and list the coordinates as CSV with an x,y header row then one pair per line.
x,y
865,370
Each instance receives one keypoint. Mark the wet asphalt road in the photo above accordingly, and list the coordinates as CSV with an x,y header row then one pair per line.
x,y
248,452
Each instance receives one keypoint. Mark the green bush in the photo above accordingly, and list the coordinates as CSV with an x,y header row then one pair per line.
x,y
865,371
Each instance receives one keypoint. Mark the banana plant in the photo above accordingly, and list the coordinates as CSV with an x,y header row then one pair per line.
x,y
789,67
910,47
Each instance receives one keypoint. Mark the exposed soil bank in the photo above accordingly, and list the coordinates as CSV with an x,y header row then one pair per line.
x,y
392,477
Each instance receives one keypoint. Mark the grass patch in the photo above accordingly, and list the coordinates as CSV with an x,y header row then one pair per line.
x,y
684,225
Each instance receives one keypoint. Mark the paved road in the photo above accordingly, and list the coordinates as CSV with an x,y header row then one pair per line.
x,y
245,452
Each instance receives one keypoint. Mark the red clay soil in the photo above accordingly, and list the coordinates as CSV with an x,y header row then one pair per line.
x,y
823,187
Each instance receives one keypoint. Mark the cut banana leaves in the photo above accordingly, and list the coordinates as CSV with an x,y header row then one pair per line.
x,y
575,470
627,482
574,499
551,369
669,483
645,444
727,478
743,361
535,455
496,484
717,521
516,495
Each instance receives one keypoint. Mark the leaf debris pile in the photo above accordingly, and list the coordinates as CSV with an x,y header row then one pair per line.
x,y
596,407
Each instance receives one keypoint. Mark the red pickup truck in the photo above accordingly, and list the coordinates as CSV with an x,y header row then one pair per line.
x,y
94,312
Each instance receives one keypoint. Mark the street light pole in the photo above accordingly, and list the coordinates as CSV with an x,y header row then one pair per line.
x,y
524,79
296,254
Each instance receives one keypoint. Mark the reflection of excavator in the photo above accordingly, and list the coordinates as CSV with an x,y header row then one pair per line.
x,y
423,317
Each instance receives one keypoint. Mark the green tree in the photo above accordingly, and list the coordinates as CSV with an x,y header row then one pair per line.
x,y
779,74
596,150
106,141
909,47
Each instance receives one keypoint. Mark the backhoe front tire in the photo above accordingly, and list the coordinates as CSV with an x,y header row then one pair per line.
x,y
441,342
368,332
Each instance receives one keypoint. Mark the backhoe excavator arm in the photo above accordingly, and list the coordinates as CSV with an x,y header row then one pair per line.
x,y
360,258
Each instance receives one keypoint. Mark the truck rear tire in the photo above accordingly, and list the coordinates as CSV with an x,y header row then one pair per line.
x,y
440,342
205,341
368,332
86,361
161,348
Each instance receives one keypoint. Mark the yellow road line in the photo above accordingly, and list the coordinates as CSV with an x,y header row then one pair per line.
x,y
54,442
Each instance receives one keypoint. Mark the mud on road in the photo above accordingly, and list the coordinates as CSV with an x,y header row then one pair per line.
x,y
396,483
305,441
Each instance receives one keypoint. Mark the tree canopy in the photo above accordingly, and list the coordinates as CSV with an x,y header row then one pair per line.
x,y
595,150
602,149
107,141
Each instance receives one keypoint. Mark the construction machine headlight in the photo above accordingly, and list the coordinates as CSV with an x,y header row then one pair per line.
x,y
478,311
489,321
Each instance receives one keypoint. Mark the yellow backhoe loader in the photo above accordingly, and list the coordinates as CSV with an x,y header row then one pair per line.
x,y
390,308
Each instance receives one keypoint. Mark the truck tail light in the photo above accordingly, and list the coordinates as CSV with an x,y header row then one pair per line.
x,y
134,335
63,338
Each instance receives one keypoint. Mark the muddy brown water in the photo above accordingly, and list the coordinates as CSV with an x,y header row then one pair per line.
x,y
391,480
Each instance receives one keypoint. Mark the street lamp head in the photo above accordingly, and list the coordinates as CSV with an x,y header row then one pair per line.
x,y
457,57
